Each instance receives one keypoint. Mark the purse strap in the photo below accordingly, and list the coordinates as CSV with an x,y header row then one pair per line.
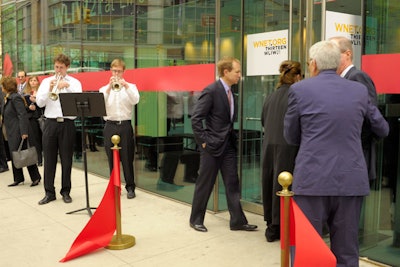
x,y
22,142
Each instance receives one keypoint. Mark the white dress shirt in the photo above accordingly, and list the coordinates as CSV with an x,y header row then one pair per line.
x,y
346,70
53,108
119,104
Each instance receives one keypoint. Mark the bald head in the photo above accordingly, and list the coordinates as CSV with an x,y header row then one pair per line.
x,y
346,50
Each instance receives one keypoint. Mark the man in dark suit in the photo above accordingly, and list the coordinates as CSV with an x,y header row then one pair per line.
x,y
325,116
217,144
347,70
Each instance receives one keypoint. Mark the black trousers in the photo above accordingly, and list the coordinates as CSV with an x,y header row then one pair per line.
x,y
209,167
58,139
127,151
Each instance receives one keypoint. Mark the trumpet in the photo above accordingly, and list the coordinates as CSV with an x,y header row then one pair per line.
x,y
53,95
116,85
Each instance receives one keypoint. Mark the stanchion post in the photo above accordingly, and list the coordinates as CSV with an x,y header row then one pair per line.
x,y
119,241
285,180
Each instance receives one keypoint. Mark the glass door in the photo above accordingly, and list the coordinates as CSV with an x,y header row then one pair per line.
x,y
263,17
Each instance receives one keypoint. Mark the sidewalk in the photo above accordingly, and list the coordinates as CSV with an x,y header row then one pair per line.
x,y
34,235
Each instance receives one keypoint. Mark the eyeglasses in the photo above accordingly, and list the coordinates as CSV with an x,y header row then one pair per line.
x,y
20,77
117,71
309,61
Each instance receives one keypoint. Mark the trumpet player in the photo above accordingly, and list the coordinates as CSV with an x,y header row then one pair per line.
x,y
120,98
59,130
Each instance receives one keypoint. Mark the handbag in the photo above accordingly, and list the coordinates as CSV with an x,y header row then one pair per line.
x,y
23,158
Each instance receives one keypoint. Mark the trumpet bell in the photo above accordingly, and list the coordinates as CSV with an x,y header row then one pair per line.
x,y
116,86
53,96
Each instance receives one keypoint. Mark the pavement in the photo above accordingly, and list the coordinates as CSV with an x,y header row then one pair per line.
x,y
41,235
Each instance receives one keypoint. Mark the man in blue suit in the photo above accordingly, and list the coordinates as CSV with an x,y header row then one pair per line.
x,y
325,117
212,123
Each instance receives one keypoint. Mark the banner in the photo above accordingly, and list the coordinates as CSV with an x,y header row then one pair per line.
x,y
346,25
176,78
266,51
7,65
382,69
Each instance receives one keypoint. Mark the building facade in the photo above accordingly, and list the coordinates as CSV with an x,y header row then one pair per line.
x,y
165,36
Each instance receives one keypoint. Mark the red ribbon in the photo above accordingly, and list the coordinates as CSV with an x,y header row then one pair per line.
x,y
99,231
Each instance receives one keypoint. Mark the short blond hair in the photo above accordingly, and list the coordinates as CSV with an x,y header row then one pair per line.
x,y
118,63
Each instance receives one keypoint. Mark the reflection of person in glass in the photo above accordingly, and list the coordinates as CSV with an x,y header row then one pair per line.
x,y
174,109
120,98
217,140
278,155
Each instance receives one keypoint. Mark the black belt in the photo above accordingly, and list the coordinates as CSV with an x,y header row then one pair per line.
x,y
119,122
59,119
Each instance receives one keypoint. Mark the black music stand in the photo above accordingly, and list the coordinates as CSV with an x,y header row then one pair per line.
x,y
81,105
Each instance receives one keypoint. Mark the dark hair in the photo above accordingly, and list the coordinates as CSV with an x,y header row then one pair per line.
x,y
22,71
288,72
226,63
9,84
61,58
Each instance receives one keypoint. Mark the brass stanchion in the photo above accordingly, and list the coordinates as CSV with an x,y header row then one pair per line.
x,y
285,180
119,241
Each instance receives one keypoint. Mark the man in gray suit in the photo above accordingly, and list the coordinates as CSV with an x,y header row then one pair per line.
x,y
217,144
325,116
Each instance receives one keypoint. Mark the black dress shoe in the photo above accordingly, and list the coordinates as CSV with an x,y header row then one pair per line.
x,y
199,227
66,198
131,194
244,227
190,180
47,199
272,233
3,170
36,182
16,183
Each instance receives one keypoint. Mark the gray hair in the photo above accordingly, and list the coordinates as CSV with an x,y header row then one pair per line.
x,y
326,54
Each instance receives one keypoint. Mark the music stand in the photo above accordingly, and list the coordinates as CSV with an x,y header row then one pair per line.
x,y
81,105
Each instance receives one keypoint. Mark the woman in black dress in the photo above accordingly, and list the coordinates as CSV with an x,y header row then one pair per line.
x,y
277,155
